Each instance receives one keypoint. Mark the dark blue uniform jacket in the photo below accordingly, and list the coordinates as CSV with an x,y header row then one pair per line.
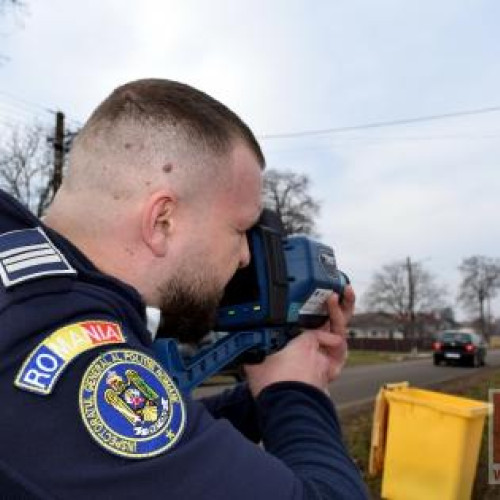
x,y
47,451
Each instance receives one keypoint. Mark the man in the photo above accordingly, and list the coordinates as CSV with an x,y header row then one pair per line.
x,y
163,184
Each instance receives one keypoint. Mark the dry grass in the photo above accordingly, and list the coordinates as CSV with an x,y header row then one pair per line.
x,y
370,357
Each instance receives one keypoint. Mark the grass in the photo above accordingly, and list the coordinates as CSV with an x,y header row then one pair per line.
x,y
370,357
357,432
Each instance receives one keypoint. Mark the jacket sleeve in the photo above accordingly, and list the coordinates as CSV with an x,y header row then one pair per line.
x,y
300,427
238,406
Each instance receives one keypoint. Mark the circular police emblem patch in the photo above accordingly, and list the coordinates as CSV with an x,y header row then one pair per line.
x,y
130,405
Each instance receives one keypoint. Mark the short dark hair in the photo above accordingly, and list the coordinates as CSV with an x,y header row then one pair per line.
x,y
202,118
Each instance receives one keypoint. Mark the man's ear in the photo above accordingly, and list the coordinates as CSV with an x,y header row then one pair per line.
x,y
157,218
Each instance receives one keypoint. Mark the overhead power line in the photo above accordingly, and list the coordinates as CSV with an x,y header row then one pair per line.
x,y
389,123
25,103
11,107
29,107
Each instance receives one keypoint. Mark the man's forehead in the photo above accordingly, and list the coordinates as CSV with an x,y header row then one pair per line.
x,y
240,202
247,204
247,180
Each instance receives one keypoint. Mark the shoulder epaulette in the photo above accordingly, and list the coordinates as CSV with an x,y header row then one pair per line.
x,y
28,254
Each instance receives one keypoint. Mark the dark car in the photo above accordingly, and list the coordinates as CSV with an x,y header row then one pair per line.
x,y
460,347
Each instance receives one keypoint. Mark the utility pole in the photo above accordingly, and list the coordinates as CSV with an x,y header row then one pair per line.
x,y
61,143
488,317
411,298
58,153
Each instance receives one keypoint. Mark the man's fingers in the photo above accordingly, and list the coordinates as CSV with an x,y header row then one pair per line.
x,y
340,314
326,339
348,300
337,320
334,348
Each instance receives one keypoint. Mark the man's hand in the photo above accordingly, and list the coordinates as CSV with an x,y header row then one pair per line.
x,y
315,357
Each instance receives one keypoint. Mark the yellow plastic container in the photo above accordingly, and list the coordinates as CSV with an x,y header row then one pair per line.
x,y
432,445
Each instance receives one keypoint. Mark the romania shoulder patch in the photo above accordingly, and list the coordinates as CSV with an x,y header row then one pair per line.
x,y
45,364
130,406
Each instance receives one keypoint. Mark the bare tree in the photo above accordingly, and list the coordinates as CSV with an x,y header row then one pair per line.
x,y
26,167
287,193
11,6
405,289
4,4
480,283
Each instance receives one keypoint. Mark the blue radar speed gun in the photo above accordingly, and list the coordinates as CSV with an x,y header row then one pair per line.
x,y
280,293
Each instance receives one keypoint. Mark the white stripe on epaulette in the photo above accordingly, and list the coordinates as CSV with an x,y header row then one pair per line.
x,y
28,254
15,251
54,259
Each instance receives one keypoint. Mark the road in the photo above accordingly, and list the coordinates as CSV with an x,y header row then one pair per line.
x,y
360,384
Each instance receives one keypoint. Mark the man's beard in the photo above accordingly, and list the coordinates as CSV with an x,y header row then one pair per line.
x,y
188,310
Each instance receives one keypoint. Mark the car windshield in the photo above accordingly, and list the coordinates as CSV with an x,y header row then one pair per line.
x,y
455,337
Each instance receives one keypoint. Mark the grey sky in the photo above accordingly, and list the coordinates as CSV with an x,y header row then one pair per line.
x,y
428,190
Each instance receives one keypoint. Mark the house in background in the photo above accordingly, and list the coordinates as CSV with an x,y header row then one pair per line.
x,y
378,325
382,325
